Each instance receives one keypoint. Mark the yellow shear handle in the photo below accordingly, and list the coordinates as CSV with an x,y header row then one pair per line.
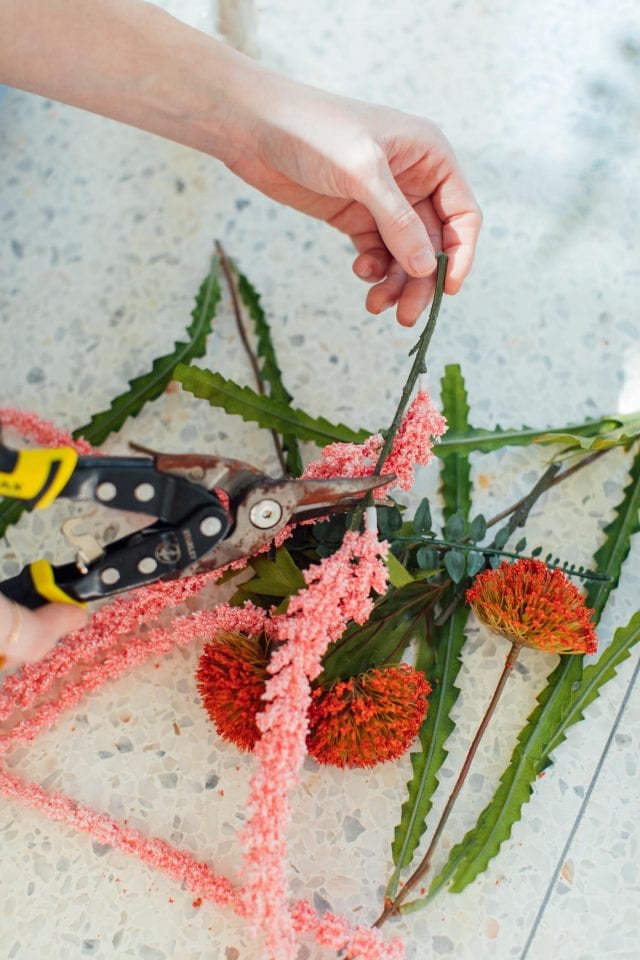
x,y
39,475
43,579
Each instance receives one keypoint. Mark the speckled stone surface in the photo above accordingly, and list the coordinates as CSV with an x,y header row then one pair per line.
x,y
106,235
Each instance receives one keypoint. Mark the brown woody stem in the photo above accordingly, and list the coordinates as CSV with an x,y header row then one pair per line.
x,y
423,867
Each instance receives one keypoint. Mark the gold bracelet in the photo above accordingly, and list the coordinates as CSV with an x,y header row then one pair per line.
x,y
14,633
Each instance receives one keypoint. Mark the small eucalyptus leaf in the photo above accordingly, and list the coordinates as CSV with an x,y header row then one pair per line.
x,y
536,552
454,527
455,563
501,537
422,518
520,545
495,562
427,558
477,528
389,520
475,563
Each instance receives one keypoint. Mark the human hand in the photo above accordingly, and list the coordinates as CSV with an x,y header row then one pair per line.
x,y
27,635
387,179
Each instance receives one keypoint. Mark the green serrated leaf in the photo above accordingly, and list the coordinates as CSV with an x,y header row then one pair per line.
x,y
269,366
455,472
150,385
560,704
455,564
146,387
422,518
545,730
484,441
446,644
265,411
609,558
574,445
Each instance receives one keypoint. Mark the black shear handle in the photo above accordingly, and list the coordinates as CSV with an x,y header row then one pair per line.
x,y
151,554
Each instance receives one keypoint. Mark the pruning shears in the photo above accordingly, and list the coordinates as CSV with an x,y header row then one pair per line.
x,y
205,512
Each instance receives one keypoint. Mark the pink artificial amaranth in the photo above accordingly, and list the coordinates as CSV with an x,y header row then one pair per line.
x,y
98,651
42,431
338,590
412,446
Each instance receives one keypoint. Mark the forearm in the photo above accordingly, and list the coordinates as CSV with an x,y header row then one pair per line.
x,y
131,61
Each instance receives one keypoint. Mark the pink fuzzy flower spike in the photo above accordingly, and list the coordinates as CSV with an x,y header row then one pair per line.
x,y
337,591
412,446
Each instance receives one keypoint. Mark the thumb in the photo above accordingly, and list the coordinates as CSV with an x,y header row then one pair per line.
x,y
402,230
39,630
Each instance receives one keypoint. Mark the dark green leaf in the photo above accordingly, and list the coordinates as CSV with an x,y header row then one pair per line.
x,y
472,439
389,520
388,630
501,537
265,411
422,518
455,527
477,529
475,563
427,558
536,552
545,730
455,474
150,385
455,563
446,644
269,367
273,578
520,545
561,703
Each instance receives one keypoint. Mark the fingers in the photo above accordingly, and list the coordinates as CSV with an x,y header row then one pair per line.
x,y
412,295
461,219
28,635
402,231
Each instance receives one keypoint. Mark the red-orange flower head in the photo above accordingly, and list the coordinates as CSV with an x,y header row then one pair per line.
x,y
529,604
367,719
231,679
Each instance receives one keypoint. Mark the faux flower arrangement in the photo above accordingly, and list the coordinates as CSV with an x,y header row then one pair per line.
x,y
345,641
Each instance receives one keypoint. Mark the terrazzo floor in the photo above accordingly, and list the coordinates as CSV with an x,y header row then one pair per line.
x,y
107,233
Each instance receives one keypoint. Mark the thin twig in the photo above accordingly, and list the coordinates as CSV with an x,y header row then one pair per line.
x,y
423,867
244,337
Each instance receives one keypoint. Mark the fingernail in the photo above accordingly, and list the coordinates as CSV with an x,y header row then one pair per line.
x,y
365,270
422,263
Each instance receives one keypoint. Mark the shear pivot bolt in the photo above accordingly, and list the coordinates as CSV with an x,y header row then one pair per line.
x,y
144,492
109,576
210,526
265,514
106,491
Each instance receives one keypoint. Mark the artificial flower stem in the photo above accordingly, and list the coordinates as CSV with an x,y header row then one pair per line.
x,y
244,337
423,867
418,367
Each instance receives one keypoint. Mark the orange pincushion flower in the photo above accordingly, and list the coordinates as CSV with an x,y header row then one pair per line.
x,y
367,719
531,605
231,679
